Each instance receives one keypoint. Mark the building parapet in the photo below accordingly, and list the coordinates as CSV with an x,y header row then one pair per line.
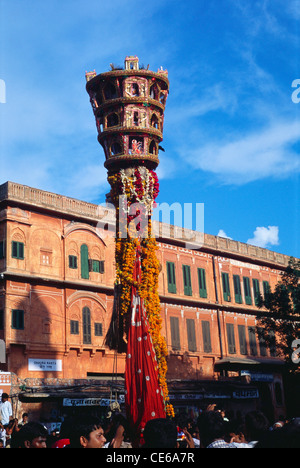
x,y
12,191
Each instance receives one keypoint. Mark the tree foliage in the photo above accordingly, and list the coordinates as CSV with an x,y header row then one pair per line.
x,y
281,315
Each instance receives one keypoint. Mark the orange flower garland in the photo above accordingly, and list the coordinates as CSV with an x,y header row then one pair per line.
x,y
145,190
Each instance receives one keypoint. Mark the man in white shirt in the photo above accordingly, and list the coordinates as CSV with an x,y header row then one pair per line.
x,y
5,410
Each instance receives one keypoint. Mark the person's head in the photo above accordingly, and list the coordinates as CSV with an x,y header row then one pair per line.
x,y
25,417
87,432
160,433
118,425
4,397
256,424
287,436
32,435
211,427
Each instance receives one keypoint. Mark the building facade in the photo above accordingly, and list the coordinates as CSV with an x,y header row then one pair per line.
x,y
56,301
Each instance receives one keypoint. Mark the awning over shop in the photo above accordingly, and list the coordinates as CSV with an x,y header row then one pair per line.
x,y
235,363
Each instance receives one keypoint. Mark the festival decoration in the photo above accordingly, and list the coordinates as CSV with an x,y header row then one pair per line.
x,y
128,105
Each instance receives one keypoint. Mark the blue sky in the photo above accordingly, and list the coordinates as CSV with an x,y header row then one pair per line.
x,y
232,130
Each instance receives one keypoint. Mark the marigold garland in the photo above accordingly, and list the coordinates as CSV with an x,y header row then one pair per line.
x,y
140,187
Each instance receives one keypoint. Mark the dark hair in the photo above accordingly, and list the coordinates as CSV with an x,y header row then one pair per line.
x,y
211,426
28,432
256,425
82,427
160,433
116,421
286,437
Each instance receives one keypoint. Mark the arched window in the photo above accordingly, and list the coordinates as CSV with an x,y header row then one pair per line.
x,y
153,147
136,118
154,121
115,148
162,98
110,91
112,120
135,90
86,325
99,98
153,92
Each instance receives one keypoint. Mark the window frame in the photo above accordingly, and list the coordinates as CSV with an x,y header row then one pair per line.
x,y
202,283
237,289
231,343
187,280
17,319
226,287
175,333
247,290
18,250
171,277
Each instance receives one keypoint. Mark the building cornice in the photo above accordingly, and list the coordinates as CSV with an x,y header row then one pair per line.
x,y
72,208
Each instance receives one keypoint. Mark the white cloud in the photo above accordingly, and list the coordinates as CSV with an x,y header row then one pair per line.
x,y
222,233
265,236
255,156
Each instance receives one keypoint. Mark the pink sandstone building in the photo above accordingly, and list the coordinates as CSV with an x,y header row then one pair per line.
x,y
56,300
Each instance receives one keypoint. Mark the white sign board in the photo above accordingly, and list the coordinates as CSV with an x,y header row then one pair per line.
x,y
45,365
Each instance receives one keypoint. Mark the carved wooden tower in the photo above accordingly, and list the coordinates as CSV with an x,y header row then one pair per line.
x,y
129,105
129,109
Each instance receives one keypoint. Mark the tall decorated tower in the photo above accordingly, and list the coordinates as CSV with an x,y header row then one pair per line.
x,y
128,106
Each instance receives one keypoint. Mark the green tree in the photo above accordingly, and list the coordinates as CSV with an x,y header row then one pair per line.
x,y
279,322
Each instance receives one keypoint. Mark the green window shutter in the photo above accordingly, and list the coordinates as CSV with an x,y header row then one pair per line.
x,y
202,283
72,262
256,291
206,336
252,341
21,250
187,283
14,249
175,334
171,277
226,287
230,338
84,258
237,289
191,335
98,329
96,266
17,319
86,325
262,342
266,289
242,340
17,250
74,326
247,290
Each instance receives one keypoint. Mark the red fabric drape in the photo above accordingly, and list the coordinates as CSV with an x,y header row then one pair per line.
x,y
143,396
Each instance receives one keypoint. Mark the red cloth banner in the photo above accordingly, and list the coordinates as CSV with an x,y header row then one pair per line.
x,y
143,395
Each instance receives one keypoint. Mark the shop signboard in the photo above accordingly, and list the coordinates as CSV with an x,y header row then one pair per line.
x,y
245,394
75,402
258,376
45,365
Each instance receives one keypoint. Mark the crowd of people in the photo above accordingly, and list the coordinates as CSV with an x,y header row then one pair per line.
x,y
211,430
